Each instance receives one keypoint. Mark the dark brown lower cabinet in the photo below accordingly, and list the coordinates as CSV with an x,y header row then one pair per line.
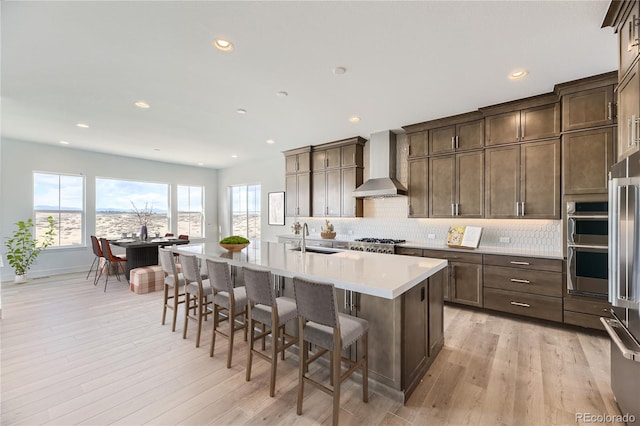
x,y
585,311
463,283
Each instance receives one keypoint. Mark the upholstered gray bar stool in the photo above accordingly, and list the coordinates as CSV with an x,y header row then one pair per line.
x,y
320,323
226,299
196,293
173,287
270,311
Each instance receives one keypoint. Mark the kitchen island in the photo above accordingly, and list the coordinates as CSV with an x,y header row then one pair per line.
x,y
400,296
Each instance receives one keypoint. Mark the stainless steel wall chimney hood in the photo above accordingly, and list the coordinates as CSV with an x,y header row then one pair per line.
x,y
382,168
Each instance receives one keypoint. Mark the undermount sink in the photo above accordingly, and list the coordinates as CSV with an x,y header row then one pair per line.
x,y
321,250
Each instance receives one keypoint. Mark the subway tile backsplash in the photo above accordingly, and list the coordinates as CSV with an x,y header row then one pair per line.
x,y
387,218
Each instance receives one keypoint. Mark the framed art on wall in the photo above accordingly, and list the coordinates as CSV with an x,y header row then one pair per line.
x,y
276,208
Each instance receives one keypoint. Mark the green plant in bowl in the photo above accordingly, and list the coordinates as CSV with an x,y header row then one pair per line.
x,y
234,243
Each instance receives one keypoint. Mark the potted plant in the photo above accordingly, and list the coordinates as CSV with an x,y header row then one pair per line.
x,y
234,243
23,248
144,216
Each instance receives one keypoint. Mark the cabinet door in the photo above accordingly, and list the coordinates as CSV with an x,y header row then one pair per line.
x,y
540,122
304,162
442,140
333,158
415,333
502,128
291,188
586,159
628,114
589,108
318,194
318,160
540,180
291,163
629,38
436,311
470,135
349,154
304,194
466,283
470,184
418,188
417,144
502,181
334,192
351,179
442,175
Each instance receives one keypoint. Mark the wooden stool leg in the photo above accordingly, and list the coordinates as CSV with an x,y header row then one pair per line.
x,y
215,329
264,338
282,341
274,356
302,356
199,321
176,296
250,357
365,367
232,332
335,372
187,303
165,299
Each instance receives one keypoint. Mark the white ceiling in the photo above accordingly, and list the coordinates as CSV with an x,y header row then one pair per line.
x,y
87,62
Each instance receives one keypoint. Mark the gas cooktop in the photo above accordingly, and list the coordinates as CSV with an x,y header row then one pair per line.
x,y
380,240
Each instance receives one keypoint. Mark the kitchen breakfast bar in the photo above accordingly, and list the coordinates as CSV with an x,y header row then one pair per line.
x,y
400,296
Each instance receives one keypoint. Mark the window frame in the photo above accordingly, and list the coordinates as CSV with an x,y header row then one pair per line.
x,y
189,212
83,212
230,195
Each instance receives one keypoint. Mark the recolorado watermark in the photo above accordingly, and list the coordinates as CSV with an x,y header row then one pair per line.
x,y
605,418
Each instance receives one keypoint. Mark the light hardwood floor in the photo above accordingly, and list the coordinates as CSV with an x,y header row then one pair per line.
x,y
72,354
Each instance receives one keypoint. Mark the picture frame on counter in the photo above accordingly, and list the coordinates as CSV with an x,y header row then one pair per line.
x,y
276,208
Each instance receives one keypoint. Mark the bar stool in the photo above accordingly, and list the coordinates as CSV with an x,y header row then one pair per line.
x,y
174,282
271,311
320,323
227,299
196,292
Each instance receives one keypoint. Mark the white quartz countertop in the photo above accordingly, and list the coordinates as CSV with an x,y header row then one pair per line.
x,y
375,274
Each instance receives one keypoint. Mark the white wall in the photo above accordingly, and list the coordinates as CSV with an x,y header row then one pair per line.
x,y
18,160
269,173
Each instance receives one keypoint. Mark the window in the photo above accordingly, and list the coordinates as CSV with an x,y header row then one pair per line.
x,y
245,211
115,214
190,211
60,196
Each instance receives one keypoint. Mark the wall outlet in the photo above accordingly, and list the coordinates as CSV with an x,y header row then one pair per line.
x,y
431,236
505,239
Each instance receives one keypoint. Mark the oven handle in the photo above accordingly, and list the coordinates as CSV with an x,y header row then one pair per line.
x,y
610,324
588,216
588,246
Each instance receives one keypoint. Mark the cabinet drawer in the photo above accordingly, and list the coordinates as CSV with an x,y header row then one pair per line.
x,y
587,306
453,256
531,305
341,245
407,251
583,320
552,265
526,281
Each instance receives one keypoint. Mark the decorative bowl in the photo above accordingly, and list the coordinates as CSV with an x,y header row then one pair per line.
x,y
328,235
234,247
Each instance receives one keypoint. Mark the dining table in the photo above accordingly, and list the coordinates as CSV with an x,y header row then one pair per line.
x,y
144,252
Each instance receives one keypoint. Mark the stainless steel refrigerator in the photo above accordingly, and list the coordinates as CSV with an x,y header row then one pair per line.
x,y
624,284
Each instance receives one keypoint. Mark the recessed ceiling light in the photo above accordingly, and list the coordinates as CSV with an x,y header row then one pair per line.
x,y
82,125
518,74
222,44
270,141
234,156
339,70
354,119
156,149
200,164
64,142
241,111
282,94
142,104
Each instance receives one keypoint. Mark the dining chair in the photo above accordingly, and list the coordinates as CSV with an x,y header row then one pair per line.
x,y
320,323
265,308
228,300
112,262
174,282
183,237
196,294
97,251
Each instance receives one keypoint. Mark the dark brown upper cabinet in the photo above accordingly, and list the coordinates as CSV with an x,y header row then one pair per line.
x,y
418,144
587,157
458,137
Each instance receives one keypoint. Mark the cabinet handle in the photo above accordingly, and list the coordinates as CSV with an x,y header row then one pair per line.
x,y
457,209
636,138
518,132
516,280
457,142
453,143
634,32
515,262
524,305
632,131
409,149
453,209
522,209
517,209
609,111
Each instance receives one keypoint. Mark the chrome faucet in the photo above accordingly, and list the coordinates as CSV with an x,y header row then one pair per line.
x,y
305,231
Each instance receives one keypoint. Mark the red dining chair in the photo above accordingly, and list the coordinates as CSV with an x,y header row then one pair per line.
x,y
111,261
97,251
